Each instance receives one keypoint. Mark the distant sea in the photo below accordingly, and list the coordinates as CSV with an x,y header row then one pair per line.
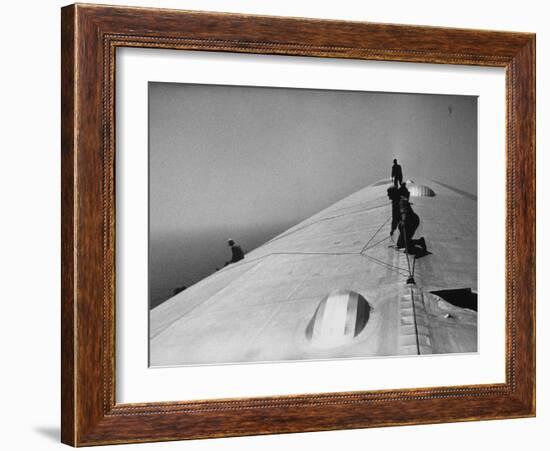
x,y
184,258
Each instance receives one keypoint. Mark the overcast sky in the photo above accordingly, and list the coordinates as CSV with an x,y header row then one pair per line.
x,y
247,162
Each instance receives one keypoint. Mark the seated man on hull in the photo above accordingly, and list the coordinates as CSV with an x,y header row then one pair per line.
x,y
236,252
409,222
396,173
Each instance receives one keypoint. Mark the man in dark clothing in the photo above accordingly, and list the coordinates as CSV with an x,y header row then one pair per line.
x,y
394,196
407,227
396,173
236,252
403,191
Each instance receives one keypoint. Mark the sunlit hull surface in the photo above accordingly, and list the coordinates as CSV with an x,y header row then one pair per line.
x,y
301,295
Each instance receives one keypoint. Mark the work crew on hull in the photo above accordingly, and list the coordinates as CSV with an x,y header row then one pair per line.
x,y
396,173
408,224
394,194
236,252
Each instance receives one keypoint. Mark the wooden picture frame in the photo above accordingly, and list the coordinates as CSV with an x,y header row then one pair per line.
x,y
90,36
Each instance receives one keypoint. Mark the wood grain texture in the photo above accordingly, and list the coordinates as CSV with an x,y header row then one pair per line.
x,y
90,36
67,225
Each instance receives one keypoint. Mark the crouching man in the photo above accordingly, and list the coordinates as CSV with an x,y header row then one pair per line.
x,y
407,227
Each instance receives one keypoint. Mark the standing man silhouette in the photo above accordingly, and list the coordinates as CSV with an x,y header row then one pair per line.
x,y
396,173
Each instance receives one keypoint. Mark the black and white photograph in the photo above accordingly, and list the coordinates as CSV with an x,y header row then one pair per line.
x,y
238,225
292,224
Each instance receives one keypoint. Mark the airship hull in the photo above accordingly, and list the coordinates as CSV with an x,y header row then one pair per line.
x,y
265,307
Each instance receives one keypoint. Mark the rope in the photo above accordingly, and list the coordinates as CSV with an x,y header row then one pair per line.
x,y
411,273
375,244
415,322
397,269
411,281
406,249
389,266
375,233
298,228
